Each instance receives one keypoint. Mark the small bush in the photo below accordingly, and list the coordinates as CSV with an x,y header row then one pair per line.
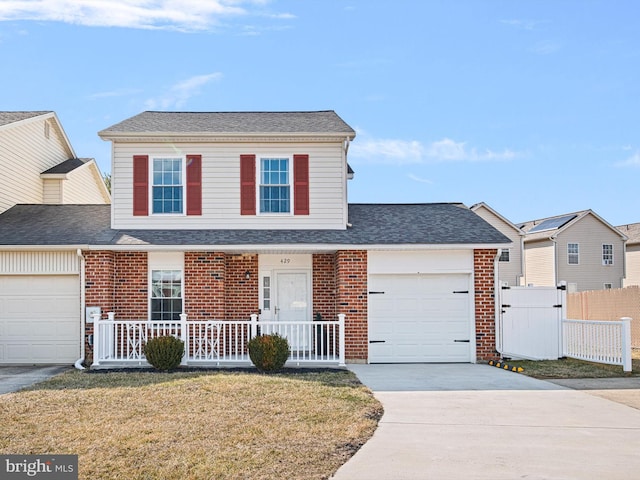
x,y
164,353
268,353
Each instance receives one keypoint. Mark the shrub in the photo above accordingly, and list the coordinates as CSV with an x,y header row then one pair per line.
x,y
268,353
164,353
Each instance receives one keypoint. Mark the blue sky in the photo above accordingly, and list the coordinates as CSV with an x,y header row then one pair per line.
x,y
532,106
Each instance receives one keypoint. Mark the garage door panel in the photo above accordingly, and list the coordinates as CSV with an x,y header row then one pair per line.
x,y
39,319
418,318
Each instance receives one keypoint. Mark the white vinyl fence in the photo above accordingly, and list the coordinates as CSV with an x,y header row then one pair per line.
x,y
602,341
533,325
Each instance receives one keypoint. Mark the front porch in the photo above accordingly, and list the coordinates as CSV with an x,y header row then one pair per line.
x,y
120,343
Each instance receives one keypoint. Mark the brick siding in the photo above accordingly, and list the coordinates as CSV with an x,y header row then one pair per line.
x,y
351,299
484,285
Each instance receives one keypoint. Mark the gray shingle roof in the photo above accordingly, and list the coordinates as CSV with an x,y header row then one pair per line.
x,y
12,117
372,224
68,165
320,122
632,232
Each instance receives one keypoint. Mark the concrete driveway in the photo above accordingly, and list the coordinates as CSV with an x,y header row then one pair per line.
x,y
14,378
465,421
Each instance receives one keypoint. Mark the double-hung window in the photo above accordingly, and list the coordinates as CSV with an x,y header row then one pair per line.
x,y
166,294
573,254
505,255
275,187
607,254
168,185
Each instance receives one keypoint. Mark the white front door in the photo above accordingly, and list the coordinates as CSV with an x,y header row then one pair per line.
x,y
292,304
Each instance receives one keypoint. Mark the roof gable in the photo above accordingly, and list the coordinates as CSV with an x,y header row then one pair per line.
x,y
482,205
7,118
551,227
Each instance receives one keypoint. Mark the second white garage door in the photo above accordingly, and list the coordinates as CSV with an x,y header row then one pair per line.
x,y
420,318
39,319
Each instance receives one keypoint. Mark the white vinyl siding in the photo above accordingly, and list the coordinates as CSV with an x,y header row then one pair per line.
x,y
39,263
511,271
221,186
633,265
590,233
24,154
52,191
540,264
83,185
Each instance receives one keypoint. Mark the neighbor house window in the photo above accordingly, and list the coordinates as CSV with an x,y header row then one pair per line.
x,y
275,189
166,294
608,286
167,189
505,255
573,254
607,254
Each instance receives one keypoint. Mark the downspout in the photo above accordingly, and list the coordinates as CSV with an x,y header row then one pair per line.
x,y
497,288
79,362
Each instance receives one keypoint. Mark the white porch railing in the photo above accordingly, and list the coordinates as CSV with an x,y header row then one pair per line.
x,y
598,341
216,342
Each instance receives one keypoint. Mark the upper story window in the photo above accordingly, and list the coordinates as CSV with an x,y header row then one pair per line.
x,y
573,254
172,184
168,188
505,255
275,190
607,254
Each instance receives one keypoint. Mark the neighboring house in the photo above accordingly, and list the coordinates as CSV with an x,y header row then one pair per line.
x,y
40,165
632,254
511,260
580,248
221,216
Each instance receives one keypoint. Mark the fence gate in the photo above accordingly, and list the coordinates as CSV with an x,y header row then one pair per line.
x,y
531,322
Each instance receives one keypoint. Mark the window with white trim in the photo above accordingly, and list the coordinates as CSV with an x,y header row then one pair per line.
x,y
167,185
573,254
607,254
505,255
266,293
166,294
274,185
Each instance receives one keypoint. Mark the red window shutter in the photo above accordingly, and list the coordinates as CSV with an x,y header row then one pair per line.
x,y
247,184
141,185
194,184
301,185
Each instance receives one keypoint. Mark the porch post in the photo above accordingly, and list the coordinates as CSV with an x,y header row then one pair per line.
x,y
254,325
341,339
184,337
95,317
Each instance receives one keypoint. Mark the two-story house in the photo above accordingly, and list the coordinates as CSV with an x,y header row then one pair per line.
x,y
40,165
511,259
632,253
580,248
224,217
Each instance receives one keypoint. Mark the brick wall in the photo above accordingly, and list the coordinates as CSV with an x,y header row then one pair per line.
x,y
241,295
351,299
99,288
204,285
324,286
484,285
131,286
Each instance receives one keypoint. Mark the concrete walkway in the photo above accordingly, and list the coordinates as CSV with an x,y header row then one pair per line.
x,y
478,422
14,378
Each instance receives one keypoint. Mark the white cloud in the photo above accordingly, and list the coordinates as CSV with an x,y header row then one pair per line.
x,y
403,152
181,92
182,15
419,179
632,161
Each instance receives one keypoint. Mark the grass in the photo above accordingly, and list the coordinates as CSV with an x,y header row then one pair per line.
x,y
193,425
572,368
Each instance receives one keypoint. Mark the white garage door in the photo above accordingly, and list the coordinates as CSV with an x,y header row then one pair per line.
x,y
39,319
419,318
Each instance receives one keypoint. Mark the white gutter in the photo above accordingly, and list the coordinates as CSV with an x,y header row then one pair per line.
x,y
78,363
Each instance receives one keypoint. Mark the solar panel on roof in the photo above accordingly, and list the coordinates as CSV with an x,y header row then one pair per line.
x,y
552,223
